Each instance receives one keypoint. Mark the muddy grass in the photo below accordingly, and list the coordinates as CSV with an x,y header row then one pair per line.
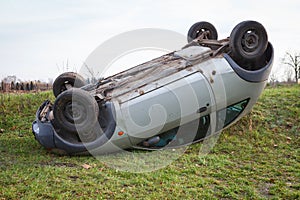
x,y
257,158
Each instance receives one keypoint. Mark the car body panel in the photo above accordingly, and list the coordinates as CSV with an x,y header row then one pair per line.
x,y
155,98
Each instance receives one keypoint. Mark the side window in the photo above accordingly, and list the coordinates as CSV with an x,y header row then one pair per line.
x,y
229,114
180,137
203,128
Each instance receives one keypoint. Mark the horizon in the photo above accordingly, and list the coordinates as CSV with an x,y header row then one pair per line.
x,y
40,39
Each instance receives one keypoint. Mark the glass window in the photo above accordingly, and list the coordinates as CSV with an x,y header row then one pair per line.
x,y
177,137
229,114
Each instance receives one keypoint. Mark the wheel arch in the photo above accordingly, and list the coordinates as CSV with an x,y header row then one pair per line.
x,y
258,75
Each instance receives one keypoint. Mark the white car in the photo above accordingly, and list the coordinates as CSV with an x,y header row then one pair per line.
x,y
174,100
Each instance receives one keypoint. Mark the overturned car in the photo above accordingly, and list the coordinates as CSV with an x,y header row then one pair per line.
x,y
174,100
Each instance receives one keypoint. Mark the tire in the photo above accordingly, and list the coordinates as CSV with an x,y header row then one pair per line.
x,y
72,78
75,111
248,41
199,28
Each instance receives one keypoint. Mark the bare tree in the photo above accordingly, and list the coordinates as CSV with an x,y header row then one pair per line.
x,y
294,62
65,67
93,77
273,77
289,74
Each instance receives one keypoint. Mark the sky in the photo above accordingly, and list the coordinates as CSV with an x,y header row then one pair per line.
x,y
38,38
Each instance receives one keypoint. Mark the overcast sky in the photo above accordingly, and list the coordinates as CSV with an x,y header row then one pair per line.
x,y
37,36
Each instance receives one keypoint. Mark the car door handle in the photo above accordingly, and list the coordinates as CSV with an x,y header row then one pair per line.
x,y
202,109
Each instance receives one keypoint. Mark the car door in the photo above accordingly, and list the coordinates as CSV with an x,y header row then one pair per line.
x,y
178,105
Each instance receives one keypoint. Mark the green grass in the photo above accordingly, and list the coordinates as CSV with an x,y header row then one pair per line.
x,y
257,158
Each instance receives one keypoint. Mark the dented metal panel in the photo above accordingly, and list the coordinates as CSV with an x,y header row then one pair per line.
x,y
153,74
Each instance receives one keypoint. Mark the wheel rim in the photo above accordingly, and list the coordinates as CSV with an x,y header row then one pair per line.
x,y
200,31
64,85
199,28
74,112
250,41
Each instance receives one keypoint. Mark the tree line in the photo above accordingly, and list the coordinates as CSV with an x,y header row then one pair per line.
x,y
24,86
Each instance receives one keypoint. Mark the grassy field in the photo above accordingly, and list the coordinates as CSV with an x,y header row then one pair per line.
x,y
257,158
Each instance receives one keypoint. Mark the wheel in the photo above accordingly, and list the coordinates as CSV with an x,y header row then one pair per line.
x,y
248,41
68,78
198,28
75,111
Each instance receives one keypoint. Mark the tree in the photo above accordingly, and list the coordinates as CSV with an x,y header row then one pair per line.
x,y
92,76
289,74
65,67
273,77
31,86
294,62
12,85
